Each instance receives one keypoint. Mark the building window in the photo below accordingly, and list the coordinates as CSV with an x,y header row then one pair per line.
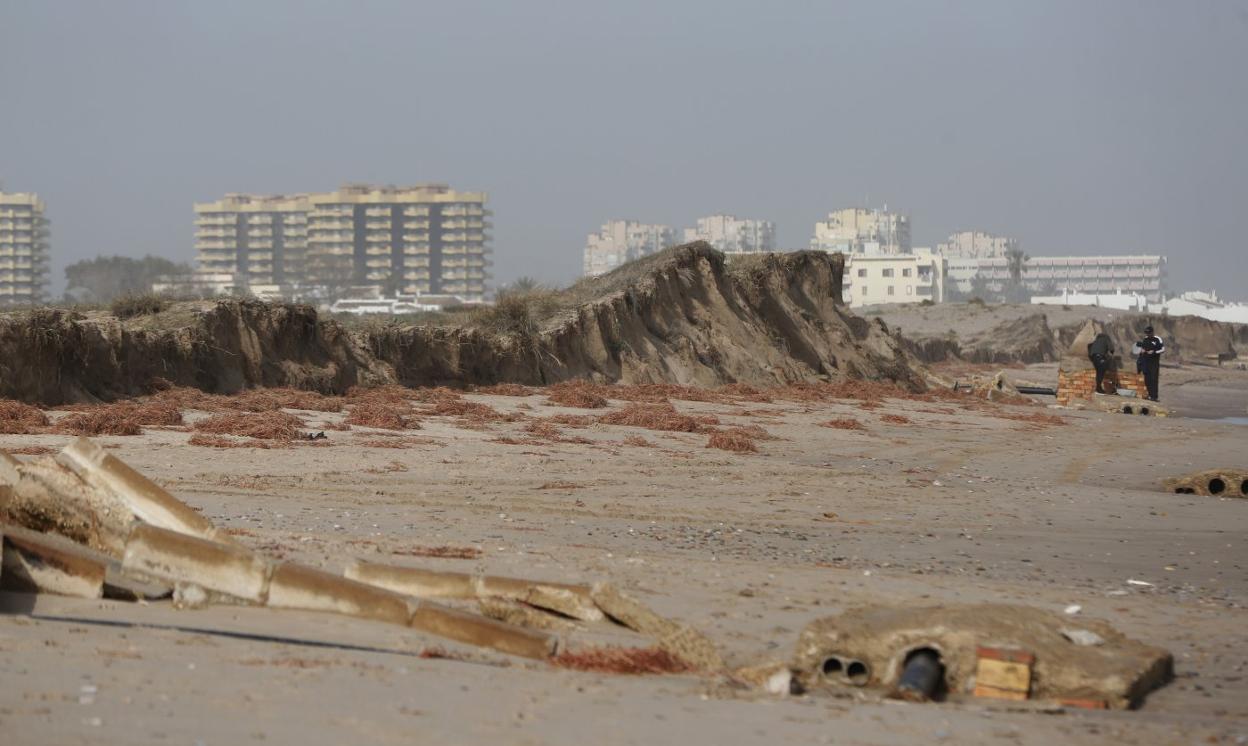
x,y
887,272
890,289
905,272
864,291
862,272
909,290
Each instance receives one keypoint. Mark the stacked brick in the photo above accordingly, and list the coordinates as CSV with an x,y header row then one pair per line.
x,y
1081,384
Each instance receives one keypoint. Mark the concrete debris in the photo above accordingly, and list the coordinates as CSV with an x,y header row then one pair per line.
x,y
1120,671
681,641
148,501
1212,483
569,600
772,678
34,564
523,615
228,570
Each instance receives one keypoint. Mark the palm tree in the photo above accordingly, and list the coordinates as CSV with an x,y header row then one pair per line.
x,y
1015,261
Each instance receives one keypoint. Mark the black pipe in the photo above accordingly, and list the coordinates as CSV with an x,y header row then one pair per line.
x,y
921,676
1037,390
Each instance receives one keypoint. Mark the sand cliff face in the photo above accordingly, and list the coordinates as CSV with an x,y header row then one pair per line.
x,y
1035,338
680,317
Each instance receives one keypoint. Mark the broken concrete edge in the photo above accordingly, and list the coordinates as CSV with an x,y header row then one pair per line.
x,y
204,572
567,599
117,585
148,500
35,563
690,646
1121,672
1210,483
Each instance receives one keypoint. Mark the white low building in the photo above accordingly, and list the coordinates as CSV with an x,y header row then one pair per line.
x,y
878,278
1120,301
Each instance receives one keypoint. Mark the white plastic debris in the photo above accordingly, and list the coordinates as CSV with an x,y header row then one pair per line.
x,y
1133,581
1073,609
1083,637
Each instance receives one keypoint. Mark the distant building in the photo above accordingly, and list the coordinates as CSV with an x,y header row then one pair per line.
x,y
857,230
1192,303
257,239
420,239
425,239
621,241
731,234
24,249
871,279
976,245
1143,274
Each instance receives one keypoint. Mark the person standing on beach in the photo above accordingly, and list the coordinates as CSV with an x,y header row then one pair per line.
x,y
1100,352
1149,361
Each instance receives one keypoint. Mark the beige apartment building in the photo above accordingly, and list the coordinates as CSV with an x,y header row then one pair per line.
x,y
731,235
24,249
976,245
857,230
260,240
872,279
424,239
620,241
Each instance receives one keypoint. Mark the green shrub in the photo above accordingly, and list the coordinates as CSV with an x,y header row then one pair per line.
x,y
129,306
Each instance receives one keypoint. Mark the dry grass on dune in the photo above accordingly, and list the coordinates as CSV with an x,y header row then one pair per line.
x,y
504,389
266,425
579,394
17,418
219,441
729,440
662,417
119,418
610,659
895,419
30,451
381,415
843,423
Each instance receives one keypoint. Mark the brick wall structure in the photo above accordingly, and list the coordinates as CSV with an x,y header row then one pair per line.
x,y
1081,384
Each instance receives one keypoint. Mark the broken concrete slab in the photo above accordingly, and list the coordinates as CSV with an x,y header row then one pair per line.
x,y
567,599
48,498
171,556
523,615
117,584
300,587
1121,671
34,563
680,640
482,632
1212,483
148,500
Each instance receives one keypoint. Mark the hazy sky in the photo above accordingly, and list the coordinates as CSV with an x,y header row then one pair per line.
x,y
1079,127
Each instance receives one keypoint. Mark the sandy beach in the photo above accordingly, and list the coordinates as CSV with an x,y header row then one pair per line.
x,y
941,504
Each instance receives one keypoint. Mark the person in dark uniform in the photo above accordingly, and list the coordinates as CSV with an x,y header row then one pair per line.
x,y
1100,352
1151,349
